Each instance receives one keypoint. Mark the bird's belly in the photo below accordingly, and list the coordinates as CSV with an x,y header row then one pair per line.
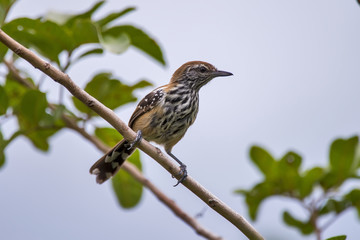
x,y
171,126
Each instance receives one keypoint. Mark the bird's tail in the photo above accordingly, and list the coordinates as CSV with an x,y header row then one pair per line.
x,y
110,163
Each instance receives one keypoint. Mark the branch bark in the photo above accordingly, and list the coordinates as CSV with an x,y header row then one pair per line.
x,y
127,166
210,199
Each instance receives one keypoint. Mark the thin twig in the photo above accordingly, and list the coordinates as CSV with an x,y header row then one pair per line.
x,y
128,167
16,75
12,137
314,222
235,218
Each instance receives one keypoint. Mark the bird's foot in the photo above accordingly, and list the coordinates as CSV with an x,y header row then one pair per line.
x,y
183,173
136,140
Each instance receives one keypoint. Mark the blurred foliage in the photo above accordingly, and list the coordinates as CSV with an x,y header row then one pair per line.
x,y
341,237
318,189
55,33
64,39
5,6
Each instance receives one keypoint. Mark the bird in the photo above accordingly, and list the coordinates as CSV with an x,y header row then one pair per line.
x,y
163,116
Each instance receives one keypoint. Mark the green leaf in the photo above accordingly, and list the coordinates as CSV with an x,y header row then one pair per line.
x,y
33,105
354,198
4,101
85,15
257,195
37,125
111,92
2,150
340,237
141,84
334,206
115,41
136,37
343,162
14,90
40,137
306,228
58,112
41,36
329,180
91,52
342,154
309,179
80,28
288,172
128,190
282,178
113,16
109,136
5,6
263,160
291,160
144,42
2,159
3,51
351,199
53,120
83,31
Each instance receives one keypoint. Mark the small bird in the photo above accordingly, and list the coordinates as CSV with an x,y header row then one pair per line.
x,y
162,116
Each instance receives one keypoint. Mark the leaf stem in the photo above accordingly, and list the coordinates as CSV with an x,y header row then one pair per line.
x,y
13,136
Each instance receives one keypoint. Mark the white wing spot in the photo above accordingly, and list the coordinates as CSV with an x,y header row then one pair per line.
x,y
114,164
115,155
124,155
96,171
108,159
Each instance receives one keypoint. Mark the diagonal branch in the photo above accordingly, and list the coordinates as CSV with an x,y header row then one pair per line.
x,y
215,203
127,166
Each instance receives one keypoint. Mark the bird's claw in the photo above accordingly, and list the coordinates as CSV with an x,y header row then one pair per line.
x,y
136,140
183,173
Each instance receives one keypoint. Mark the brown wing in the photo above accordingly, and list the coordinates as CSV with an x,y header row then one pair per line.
x,y
147,103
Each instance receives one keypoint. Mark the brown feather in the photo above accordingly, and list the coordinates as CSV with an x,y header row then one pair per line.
x,y
150,101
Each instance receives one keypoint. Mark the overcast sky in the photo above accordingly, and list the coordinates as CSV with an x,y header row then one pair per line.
x,y
295,87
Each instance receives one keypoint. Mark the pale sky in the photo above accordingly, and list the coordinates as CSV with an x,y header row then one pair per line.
x,y
295,87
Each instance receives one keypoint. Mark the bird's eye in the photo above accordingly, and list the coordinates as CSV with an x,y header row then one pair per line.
x,y
203,69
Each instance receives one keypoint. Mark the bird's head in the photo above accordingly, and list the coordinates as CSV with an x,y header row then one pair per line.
x,y
196,74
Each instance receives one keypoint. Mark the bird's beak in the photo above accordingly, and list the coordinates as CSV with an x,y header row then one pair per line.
x,y
222,74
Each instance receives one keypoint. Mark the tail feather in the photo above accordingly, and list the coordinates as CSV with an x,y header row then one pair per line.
x,y
108,165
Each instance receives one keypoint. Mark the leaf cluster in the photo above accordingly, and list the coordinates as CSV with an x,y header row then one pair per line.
x,y
318,189
64,39
55,33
